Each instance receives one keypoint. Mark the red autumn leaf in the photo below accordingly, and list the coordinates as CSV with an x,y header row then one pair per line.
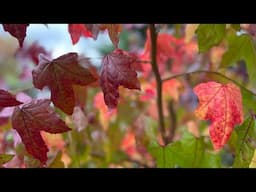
x,y
59,75
94,29
222,105
30,119
128,144
172,53
78,30
113,32
80,93
105,115
117,70
17,30
7,99
32,52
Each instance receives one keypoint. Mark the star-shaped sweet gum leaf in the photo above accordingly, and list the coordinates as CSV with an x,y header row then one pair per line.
x,y
59,75
17,30
117,70
78,30
7,99
222,105
30,119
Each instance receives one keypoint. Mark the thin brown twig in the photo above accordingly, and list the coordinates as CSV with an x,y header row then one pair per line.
x,y
209,72
153,38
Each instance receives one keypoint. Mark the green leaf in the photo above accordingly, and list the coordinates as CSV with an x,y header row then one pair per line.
x,y
241,48
246,141
4,158
57,163
189,152
209,35
236,27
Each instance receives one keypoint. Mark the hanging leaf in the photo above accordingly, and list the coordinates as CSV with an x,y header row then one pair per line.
x,y
117,70
30,119
59,75
17,30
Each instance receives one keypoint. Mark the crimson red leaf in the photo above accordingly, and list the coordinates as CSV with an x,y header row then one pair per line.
x,y
7,99
30,119
78,30
59,75
17,30
117,70
222,105
80,93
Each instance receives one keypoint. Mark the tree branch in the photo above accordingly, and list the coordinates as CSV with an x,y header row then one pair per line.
x,y
209,72
153,38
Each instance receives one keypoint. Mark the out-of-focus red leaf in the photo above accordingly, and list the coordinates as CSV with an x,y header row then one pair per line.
x,y
32,52
128,145
7,99
59,75
30,119
222,105
148,95
78,30
17,30
172,53
117,70
105,115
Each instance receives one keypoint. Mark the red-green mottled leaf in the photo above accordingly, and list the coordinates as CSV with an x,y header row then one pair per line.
x,y
117,70
59,75
113,32
222,105
32,118
7,99
17,30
